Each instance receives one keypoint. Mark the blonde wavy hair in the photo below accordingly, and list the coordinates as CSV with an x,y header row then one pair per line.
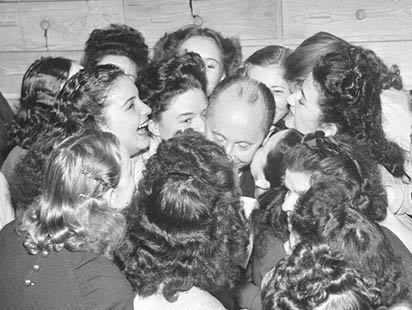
x,y
74,211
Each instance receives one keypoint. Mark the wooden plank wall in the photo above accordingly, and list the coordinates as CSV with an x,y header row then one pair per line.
x,y
382,25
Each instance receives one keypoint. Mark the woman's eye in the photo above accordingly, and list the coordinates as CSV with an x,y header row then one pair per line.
x,y
278,92
131,106
244,146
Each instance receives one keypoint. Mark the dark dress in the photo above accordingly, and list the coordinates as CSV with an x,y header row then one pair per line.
x,y
62,280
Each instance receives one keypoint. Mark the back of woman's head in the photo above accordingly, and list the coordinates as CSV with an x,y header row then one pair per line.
x,y
118,40
40,87
84,99
325,214
172,77
188,227
350,84
230,47
74,210
341,158
274,169
315,277
301,61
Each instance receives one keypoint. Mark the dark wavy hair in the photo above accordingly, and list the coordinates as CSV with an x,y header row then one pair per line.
x,y
249,90
83,101
350,85
230,48
341,158
40,86
188,228
326,214
315,277
73,211
119,40
80,105
269,221
173,77
302,60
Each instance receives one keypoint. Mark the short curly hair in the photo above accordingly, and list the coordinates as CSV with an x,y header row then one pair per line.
x,y
173,77
230,48
314,277
72,211
41,83
188,228
325,214
116,39
350,85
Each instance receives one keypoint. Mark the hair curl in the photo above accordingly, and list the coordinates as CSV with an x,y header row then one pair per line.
x,y
173,77
188,228
116,39
315,277
40,86
326,214
230,48
342,158
73,211
350,85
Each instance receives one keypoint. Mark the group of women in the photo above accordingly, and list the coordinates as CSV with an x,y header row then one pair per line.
x,y
122,202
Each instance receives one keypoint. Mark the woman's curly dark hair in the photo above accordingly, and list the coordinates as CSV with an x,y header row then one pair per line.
x,y
326,214
350,85
83,101
40,86
269,221
315,277
301,61
230,48
188,228
173,77
341,158
119,40
80,105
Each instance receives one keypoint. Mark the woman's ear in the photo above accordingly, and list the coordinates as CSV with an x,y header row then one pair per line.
x,y
330,129
153,128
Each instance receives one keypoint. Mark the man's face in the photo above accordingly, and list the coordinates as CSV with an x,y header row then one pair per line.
x,y
237,126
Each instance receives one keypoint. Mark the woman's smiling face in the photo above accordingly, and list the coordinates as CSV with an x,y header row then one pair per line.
x,y
127,116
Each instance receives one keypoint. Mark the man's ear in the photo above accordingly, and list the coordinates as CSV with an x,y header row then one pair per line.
x,y
330,129
153,128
